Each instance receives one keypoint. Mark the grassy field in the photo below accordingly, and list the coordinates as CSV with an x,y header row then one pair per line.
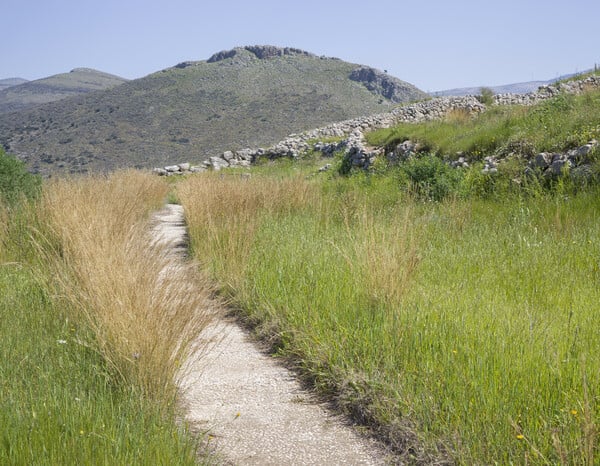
x,y
92,334
454,313
558,124
463,330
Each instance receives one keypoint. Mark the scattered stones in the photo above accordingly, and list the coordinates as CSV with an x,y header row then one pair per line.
x,y
181,169
490,165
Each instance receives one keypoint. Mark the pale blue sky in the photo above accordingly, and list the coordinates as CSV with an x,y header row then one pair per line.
x,y
433,44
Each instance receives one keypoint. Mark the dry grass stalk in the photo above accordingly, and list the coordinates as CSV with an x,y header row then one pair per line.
x,y
386,259
225,212
3,228
144,319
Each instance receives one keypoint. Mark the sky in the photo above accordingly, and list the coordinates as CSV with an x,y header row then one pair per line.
x,y
433,44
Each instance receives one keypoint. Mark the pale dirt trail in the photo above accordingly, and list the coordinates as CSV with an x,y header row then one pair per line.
x,y
254,410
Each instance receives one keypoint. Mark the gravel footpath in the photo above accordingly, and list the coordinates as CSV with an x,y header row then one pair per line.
x,y
253,409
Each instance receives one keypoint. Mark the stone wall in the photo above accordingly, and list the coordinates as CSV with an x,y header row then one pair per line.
x,y
349,134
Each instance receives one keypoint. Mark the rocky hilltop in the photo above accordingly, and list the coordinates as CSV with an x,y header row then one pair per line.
x,y
246,97
262,52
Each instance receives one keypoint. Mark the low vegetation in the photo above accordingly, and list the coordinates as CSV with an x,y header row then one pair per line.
x,y
60,86
16,183
452,311
189,112
460,330
94,335
558,124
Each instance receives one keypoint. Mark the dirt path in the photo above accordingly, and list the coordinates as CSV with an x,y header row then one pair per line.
x,y
254,410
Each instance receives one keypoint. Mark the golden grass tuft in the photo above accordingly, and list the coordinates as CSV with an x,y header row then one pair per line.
x,y
384,256
107,267
3,229
224,213
458,116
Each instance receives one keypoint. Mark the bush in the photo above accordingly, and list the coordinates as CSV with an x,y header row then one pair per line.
x,y
431,178
486,96
15,180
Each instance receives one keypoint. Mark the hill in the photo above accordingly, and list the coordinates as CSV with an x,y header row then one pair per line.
x,y
10,82
78,81
246,97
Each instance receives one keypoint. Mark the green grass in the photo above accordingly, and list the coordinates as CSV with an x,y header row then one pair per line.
x,y
463,329
58,401
15,181
558,124
61,399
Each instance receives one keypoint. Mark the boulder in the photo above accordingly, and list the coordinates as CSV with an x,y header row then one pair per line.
x,y
542,160
217,163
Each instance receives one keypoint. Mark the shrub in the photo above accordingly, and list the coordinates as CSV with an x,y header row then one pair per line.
x,y
486,96
15,180
431,178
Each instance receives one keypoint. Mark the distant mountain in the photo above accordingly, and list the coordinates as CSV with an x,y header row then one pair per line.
x,y
10,82
246,97
516,88
78,81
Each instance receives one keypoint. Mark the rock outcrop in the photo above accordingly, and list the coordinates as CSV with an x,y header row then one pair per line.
x,y
383,84
262,52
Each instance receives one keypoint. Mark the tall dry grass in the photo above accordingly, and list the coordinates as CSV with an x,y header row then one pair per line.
x,y
3,229
124,284
224,213
384,256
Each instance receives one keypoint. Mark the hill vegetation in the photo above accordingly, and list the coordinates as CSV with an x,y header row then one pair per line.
x,y
194,110
10,82
78,81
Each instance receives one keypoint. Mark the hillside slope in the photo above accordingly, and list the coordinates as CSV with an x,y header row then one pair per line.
x,y
57,87
248,96
10,82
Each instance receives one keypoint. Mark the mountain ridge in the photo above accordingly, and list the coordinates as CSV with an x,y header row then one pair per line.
x,y
194,110
52,88
11,82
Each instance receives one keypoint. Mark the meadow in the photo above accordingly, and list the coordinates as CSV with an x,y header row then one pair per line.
x,y
462,331
451,312
92,335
